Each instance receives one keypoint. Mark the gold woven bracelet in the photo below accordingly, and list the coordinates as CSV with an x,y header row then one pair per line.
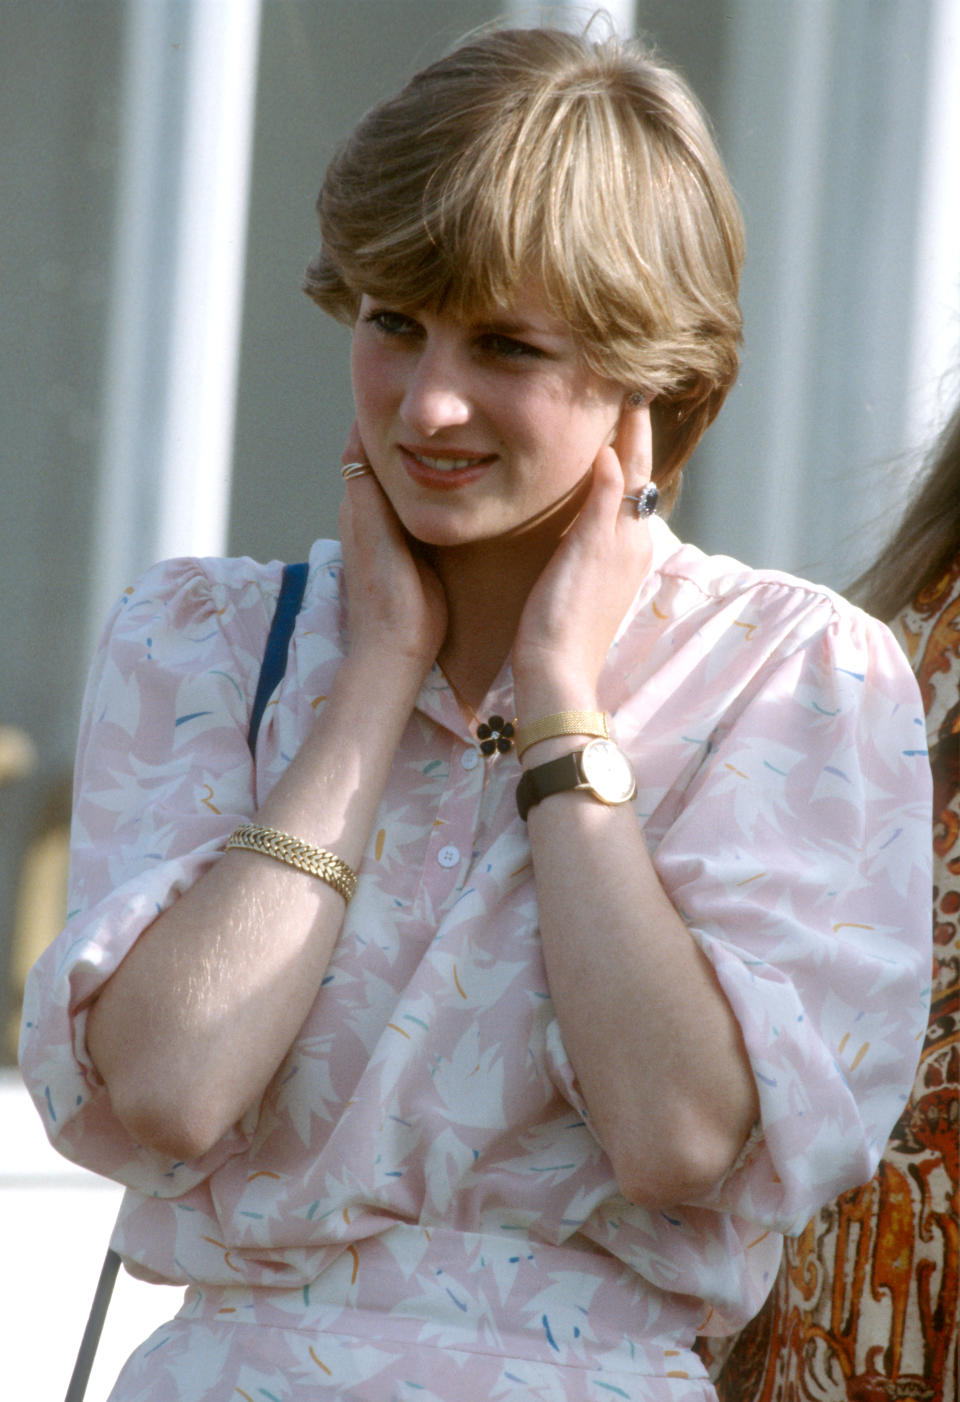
x,y
562,723
315,861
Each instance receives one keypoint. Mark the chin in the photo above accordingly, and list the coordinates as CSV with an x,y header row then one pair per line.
x,y
438,537
439,529
447,526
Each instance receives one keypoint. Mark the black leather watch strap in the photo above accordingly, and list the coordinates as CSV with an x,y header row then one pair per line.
x,y
555,776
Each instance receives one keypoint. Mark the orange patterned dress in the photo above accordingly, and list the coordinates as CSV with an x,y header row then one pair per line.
x,y
865,1307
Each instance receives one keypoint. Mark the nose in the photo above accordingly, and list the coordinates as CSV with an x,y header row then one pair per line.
x,y
437,393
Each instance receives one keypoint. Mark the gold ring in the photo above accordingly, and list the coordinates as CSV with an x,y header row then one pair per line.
x,y
350,470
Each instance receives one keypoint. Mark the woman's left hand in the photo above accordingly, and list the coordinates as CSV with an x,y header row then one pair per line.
x,y
622,967
576,606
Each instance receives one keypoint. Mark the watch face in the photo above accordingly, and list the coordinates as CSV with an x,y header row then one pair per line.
x,y
607,770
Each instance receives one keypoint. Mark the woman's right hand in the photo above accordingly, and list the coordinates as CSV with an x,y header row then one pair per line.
x,y
226,975
395,600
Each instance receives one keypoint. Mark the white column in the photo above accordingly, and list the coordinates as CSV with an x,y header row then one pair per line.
x,y
208,290
777,134
933,373
190,86
839,126
571,14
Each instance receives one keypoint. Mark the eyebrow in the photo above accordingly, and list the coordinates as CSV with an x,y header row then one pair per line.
x,y
516,326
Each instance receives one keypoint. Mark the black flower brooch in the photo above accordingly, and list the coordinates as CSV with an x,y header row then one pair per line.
x,y
495,736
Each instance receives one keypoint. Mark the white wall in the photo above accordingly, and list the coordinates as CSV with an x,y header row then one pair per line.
x,y
55,1224
840,122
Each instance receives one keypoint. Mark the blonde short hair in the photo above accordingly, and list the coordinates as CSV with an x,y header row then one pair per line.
x,y
586,165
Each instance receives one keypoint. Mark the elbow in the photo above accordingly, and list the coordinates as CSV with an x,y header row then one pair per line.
x,y
174,1138
665,1175
159,1102
655,1188
175,1126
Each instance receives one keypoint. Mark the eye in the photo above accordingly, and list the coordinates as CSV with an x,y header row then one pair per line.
x,y
509,348
391,323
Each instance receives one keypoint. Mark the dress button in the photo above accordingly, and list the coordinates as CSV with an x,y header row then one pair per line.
x,y
470,758
448,856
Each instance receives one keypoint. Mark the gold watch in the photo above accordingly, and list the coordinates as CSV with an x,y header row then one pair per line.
x,y
601,769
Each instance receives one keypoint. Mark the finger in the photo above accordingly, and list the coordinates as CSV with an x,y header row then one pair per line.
x,y
366,512
633,444
610,477
597,515
360,478
354,450
365,509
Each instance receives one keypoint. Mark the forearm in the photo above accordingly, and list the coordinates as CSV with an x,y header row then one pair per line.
x,y
194,1023
653,1041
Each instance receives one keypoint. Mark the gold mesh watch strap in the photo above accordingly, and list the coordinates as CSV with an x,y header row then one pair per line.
x,y
315,861
562,723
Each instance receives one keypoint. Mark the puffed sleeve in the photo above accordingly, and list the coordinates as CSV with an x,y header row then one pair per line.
x,y
163,774
800,861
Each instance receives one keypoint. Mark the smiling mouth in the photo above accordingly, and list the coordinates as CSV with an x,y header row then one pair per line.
x,y
444,464
447,462
437,471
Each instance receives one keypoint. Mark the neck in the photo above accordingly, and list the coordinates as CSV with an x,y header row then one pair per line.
x,y
486,584
485,597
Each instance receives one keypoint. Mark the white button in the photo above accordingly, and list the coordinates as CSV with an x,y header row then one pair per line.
x,y
470,758
448,856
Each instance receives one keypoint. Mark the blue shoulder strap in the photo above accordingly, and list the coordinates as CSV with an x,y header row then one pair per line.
x,y
292,585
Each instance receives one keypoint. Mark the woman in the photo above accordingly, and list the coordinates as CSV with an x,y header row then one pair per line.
x,y
598,1023
889,1326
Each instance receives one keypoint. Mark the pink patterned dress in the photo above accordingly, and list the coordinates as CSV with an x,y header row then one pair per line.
x,y
418,1209
866,1305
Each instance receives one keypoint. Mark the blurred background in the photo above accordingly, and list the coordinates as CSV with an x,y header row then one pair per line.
x,y
169,390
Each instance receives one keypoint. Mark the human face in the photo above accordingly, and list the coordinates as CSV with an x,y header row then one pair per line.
x,y
482,427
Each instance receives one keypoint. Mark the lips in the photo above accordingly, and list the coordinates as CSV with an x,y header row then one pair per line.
x,y
444,470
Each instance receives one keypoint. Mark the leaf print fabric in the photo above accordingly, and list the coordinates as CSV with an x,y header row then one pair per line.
x,y
419,1189
865,1303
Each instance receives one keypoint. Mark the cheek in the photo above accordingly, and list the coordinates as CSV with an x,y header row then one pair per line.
x,y
369,373
360,373
584,432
